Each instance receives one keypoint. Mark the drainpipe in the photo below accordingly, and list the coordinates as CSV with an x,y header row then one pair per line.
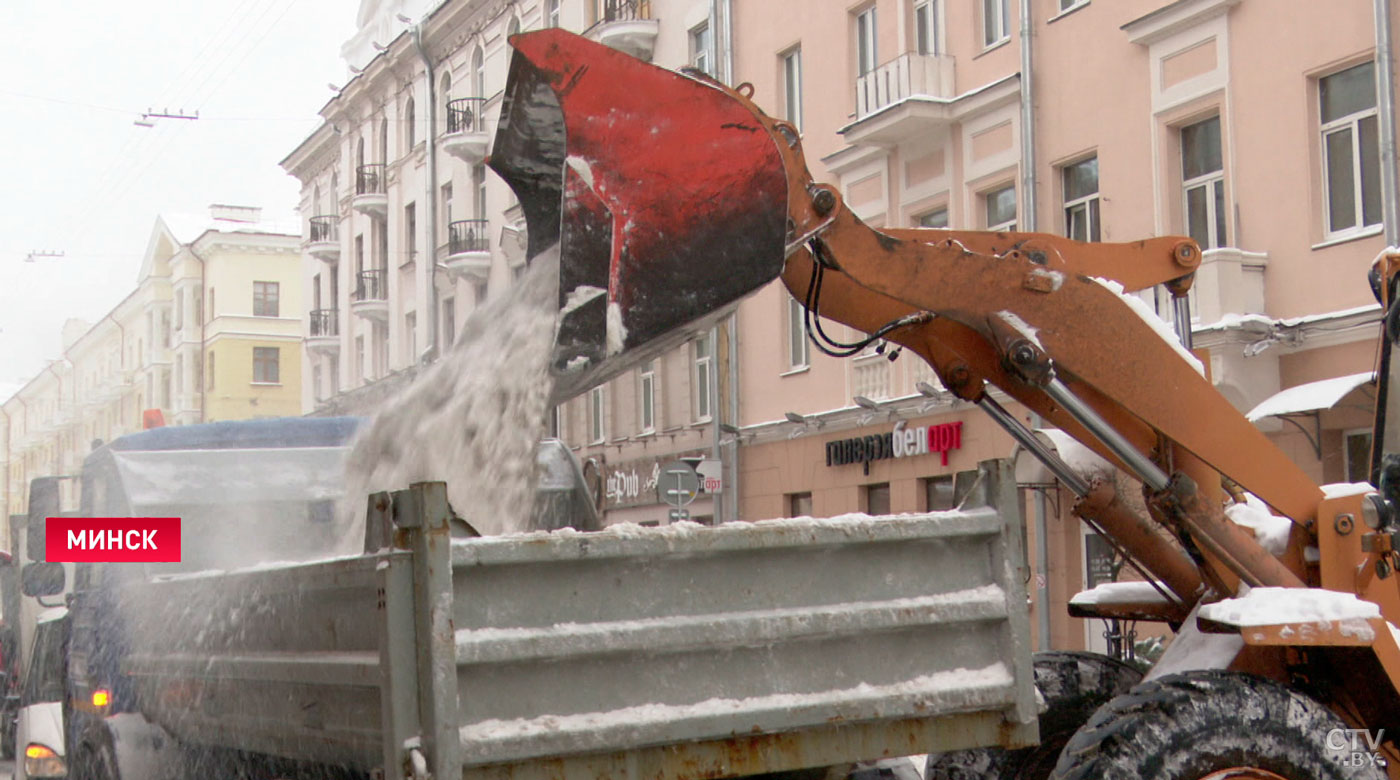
x,y
732,486
727,8
431,353
1028,218
203,320
1385,104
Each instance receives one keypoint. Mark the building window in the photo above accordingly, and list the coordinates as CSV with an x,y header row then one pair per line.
x,y
209,374
179,311
410,233
938,494
648,400
938,218
866,53
877,499
1350,148
704,362
551,13
1065,5
792,87
799,355
410,335
445,90
265,299
1358,456
799,504
1001,208
479,187
479,73
995,18
597,431
700,48
1081,191
359,358
446,205
408,126
1203,183
266,370
380,348
927,24
449,321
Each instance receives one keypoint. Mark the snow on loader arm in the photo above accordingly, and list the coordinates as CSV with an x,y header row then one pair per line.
x,y
669,197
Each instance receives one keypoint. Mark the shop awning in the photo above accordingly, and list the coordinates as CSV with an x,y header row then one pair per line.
x,y
1309,397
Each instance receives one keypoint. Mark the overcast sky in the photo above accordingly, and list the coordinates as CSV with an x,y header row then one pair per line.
x,y
80,178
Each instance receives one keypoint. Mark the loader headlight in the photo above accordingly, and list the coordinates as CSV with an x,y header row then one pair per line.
x,y
41,761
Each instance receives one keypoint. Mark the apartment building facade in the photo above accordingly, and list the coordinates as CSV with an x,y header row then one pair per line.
x,y
211,332
407,232
1250,126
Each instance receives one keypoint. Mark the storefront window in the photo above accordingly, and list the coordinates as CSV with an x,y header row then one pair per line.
x,y
799,505
877,499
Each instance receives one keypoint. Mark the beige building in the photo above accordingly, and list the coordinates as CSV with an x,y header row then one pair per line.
x,y
407,231
1248,125
211,332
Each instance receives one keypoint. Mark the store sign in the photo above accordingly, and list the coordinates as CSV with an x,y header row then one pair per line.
x,y
903,442
633,483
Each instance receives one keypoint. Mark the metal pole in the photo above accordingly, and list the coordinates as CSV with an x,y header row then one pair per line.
x,y
1142,466
1385,104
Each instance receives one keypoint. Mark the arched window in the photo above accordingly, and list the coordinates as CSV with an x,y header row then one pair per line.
x,y
479,72
359,153
408,125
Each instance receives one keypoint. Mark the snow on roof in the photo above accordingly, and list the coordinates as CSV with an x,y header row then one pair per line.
x,y
187,227
1272,606
1309,397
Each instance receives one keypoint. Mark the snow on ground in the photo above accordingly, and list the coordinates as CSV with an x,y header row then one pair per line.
x,y
1120,593
1271,606
1269,529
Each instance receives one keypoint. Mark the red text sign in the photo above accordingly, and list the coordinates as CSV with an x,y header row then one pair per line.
x,y
112,539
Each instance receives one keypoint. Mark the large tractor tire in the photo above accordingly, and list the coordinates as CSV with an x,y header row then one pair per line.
x,y
1073,686
1211,725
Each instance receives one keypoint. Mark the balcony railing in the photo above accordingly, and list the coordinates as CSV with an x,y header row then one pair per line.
x,y
467,235
325,322
623,10
369,179
904,76
466,115
325,228
370,286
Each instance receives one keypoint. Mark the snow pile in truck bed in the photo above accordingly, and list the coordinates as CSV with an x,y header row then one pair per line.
x,y
1272,606
475,418
1270,530
956,690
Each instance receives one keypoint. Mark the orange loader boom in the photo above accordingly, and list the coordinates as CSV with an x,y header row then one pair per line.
x,y
669,197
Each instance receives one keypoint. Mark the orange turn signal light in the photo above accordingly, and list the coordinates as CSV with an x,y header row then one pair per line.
x,y
101,697
38,751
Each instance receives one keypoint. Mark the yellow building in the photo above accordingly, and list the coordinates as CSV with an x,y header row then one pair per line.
x,y
211,332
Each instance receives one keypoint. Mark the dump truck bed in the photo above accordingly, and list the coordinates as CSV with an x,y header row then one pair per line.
x,y
674,652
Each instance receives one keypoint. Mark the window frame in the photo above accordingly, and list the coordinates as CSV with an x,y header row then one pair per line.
x,y
410,119
699,38
799,347
996,29
867,34
986,197
1349,123
792,97
646,398
260,363
597,420
262,301
928,32
921,220
551,13
1088,204
701,386
1213,185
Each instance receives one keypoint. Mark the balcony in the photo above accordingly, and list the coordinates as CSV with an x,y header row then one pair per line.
x,y
323,242
370,298
324,336
467,253
371,198
901,98
467,135
626,25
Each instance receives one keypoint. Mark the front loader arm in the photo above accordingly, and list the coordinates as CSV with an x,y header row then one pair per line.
x,y
671,197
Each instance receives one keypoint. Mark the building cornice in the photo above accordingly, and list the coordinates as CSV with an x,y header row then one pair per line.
x,y
1172,19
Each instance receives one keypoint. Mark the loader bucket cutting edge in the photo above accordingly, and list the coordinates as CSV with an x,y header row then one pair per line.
x,y
666,197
